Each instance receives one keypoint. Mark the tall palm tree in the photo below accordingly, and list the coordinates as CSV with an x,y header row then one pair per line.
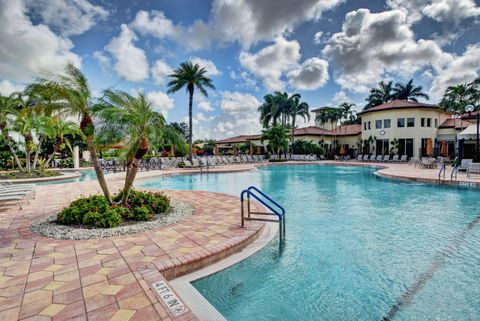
x,y
408,91
9,109
269,111
132,120
190,76
297,109
57,128
456,98
380,95
73,89
277,137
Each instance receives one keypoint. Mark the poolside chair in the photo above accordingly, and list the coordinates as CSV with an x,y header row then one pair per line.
x,y
379,158
195,163
256,159
365,158
187,164
359,157
473,168
403,159
372,158
322,157
464,164
386,158
262,158
395,159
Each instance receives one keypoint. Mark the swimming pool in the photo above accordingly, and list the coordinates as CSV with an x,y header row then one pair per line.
x,y
85,176
359,247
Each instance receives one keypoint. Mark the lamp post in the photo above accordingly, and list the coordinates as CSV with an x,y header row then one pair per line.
x,y
469,109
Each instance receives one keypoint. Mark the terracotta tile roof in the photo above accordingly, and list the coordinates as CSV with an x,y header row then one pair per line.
x,y
398,104
449,123
237,139
345,130
472,115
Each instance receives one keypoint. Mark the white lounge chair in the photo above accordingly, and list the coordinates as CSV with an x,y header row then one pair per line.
x,y
473,168
464,164
395,159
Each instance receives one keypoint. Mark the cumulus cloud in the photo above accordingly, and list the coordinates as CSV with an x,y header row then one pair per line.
x,y
28,49
311,74
462,69
205,106
153,23
7,88
68,17
160,101
272,61
238,103
317,37
207,64
102,59
160,72
341,97
131,62
373,44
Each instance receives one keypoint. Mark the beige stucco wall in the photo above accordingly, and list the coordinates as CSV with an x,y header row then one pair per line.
x,y
416,133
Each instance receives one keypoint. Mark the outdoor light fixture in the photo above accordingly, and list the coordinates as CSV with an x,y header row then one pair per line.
x,y
469,109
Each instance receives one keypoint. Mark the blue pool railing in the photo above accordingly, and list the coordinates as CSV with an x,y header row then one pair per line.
x,y
276,209
442,171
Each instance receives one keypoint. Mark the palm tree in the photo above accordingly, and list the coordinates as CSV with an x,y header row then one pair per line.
x,y
73,90
300,109
382,94
272,109
132,120
9,107
277,137
59,129
190,75
408,91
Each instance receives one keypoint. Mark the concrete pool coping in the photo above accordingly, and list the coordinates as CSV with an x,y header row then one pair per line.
x,y
200,306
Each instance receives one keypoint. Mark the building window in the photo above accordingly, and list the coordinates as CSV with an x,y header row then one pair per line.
x,y
386,123
422,122
401,122
365,126
410,122
436,123
405,147
429,122
378,124
369,126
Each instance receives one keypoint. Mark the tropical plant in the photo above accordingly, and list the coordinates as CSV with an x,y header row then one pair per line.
x,y
190,76
61,130
132,121
73,90
9,109
297,109
380,95
408,91
457,97
277,137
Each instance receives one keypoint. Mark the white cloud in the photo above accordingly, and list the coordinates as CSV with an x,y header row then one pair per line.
x,y
317,37
205,106
160,72
102,59
28,49
131,62
461,69
207,64
451,10
272,61
160,101
341,97
7,88
154,23
373,44
68,17
312,74
238,103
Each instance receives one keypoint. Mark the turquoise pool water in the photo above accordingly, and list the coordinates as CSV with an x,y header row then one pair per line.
x,y
359,247
85,175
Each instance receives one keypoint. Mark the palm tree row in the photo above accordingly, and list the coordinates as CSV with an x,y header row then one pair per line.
x,y
456,98
387,91
282,109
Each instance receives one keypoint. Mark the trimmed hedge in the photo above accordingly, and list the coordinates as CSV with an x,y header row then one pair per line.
x,y
95,212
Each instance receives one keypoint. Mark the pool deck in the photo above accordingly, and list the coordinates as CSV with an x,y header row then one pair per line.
x,y
111,278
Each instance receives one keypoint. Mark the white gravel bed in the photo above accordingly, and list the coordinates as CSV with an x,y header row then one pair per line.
x,y
46,226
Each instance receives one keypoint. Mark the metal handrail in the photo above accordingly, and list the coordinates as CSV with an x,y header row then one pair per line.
x,y
442,169
280,212
454,171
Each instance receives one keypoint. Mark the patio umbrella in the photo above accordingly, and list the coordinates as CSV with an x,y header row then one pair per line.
x,y
251,149
216,150
443,149
342,150
429,148
172,152
258,149
235,150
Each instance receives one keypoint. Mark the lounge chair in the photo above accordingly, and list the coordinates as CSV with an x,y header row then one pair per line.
x,y
403,159
359,157
372,158
195,163
187,164
386,158
322,157
395,159
256,158
473,168
379,158
365,158
464,164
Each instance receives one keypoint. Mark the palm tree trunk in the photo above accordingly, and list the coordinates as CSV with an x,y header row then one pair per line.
x,y
190,123
37,152
56,148
129,179
12,151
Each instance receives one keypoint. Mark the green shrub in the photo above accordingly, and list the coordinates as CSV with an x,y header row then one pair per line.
x,y
107,219
142,213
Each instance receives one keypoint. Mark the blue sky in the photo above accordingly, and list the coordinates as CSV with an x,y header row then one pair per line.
x,y
329,51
